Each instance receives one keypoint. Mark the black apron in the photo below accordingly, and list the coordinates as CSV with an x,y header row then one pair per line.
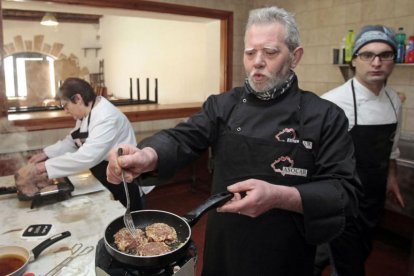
x,y
273,243
99,171
373,145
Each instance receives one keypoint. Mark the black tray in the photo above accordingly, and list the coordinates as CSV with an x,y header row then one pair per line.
x,y
62,187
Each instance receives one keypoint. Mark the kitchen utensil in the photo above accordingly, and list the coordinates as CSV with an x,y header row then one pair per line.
x,y
128,221
26,255
182,226
76,251
37,230
8,190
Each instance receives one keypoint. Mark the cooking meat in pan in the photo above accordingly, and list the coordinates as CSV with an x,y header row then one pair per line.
x,y
155,240
126,242
153,249
161,232
29,184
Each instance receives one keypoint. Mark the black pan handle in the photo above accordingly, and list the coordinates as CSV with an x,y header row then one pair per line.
x,y
46,243
213,201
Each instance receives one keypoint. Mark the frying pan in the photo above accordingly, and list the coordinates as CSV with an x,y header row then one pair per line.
x,y
182,226
30,256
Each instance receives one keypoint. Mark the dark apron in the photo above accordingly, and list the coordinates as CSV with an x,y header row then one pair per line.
x,y
99,172
268,245
373,145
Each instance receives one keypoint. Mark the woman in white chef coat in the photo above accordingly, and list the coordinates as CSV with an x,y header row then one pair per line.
x,y
100,126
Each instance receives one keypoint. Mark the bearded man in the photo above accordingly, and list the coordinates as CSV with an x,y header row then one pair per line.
x,y
284,153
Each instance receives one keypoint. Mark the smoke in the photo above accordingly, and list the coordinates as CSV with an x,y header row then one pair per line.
x,y
13,147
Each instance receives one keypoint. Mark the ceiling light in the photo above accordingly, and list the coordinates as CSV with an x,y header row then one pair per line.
x,y
49,20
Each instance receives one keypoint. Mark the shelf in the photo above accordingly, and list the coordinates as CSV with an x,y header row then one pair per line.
x,y
405,64
347,72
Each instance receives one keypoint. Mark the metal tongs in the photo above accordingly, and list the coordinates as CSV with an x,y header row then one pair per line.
x,y
128,221
76,251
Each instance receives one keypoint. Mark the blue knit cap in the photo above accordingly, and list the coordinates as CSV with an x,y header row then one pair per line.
x,y
374,33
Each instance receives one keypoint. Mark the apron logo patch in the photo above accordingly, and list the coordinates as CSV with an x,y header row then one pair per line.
x,y
287,135
307,144
284,166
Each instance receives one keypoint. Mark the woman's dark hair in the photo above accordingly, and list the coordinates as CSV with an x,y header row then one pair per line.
x,y
72,86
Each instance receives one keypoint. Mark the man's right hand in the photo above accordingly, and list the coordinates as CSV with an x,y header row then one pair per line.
x,y
133,162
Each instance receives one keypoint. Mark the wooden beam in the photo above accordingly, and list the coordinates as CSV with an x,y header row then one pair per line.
x,y
27,15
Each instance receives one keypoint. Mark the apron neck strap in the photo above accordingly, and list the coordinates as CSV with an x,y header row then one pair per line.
x,y
355,105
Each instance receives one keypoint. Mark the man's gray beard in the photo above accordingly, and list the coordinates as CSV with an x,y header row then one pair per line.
x,y
272,83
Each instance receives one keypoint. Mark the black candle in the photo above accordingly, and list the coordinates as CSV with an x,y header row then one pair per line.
x,y
138,92
147,89
156,90
130,89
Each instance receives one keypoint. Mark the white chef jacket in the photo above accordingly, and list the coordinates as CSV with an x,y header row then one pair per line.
x,y
371,109
108,127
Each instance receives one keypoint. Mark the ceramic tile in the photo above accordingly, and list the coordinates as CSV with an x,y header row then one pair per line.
x,y
403,7
407,124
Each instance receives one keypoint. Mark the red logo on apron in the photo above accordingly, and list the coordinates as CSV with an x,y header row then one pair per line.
x,y
284,166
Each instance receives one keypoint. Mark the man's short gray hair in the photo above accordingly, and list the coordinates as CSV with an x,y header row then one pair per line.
x,y
277,15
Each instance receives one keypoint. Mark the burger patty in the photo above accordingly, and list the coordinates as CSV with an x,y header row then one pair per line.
x,y
153,249
126,242
161,232
153,241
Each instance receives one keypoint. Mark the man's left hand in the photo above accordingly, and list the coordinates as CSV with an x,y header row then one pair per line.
x,y
260,197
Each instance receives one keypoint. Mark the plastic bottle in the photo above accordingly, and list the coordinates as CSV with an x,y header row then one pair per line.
x,y
409,52
400,37
349,43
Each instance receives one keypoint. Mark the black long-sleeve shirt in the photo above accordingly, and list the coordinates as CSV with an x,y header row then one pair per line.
x,y
328,195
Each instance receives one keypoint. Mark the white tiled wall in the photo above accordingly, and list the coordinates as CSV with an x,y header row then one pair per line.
x,y
323,23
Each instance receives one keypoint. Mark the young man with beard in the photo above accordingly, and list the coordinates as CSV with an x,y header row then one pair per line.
x,y
374,113
284,153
